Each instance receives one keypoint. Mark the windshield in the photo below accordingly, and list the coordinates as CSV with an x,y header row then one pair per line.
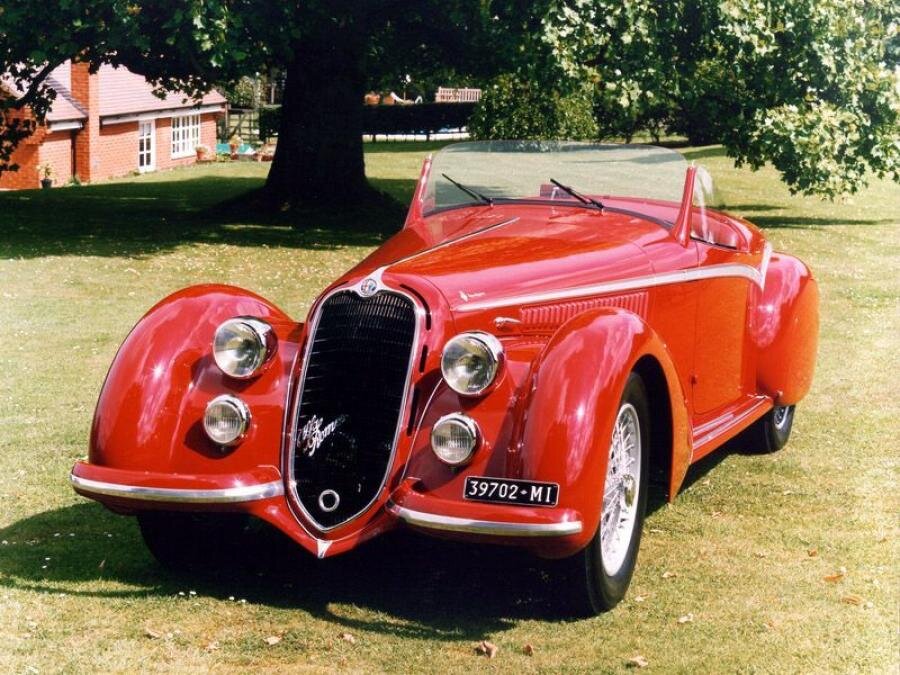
x,y
473,173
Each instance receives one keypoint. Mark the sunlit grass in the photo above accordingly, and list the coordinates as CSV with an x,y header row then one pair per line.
x,y
78,592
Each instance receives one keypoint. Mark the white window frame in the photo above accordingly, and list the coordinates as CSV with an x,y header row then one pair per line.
x,y
149,148
185,135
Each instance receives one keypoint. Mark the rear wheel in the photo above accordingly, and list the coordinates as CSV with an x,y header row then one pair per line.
x,y
184,541
598,576
771,432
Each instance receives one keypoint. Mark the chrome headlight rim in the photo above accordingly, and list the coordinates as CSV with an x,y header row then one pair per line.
x,y
470,426
264,336
239,407
494,351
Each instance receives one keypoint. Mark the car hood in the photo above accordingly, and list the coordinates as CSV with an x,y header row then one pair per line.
x,y
507,253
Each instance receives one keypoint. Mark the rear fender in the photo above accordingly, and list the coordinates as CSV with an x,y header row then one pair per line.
x,y
574,398
785,330
150,413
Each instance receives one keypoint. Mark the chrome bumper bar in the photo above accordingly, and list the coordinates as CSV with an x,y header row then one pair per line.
x,y
434,521
243,493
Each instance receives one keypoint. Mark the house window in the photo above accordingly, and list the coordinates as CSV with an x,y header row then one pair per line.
x,y
185,135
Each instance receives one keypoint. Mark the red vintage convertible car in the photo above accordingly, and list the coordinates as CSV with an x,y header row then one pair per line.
x,y
554,322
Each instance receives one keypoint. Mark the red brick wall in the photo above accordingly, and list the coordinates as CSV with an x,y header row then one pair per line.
x,y
56,149
113,152
26,178
86,90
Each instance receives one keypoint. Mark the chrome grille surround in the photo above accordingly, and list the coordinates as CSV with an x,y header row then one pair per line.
x,y
291,423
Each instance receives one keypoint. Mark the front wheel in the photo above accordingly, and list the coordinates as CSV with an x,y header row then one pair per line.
x,y
191,542
600,573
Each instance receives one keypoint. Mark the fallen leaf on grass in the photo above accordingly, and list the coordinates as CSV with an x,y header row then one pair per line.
x,y
852,599
273,640
836,577
669,575
637,661
528,650
152,634
687,618
346,637
488,649
761,554
813,552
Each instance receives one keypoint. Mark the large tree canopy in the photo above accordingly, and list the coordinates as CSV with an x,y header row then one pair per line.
x,y
810,85
330,51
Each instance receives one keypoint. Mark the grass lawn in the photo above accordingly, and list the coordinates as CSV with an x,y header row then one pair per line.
x,y
749,543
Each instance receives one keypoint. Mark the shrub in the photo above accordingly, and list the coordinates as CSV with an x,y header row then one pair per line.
x,y
421,118
269,121
517,109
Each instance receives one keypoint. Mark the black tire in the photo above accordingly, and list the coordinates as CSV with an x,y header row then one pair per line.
x,y
589,589
770,433
190,542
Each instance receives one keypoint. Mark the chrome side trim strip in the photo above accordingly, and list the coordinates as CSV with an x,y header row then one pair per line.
x,y
757,276
434,521
243,493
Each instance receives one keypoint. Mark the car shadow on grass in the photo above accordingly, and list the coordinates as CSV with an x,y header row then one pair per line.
x,y
148,218
412,585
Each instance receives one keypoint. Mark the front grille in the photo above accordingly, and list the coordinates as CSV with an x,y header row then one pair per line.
x,y
351,400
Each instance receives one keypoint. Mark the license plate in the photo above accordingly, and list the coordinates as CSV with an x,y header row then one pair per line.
x,y
506,491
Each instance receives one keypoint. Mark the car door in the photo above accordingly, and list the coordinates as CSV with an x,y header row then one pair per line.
x,y
723,288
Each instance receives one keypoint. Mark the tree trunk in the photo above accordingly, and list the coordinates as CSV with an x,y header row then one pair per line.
x,y
319,156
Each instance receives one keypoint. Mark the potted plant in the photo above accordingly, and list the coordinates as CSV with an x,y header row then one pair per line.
x,y
45,172
202,152
233,144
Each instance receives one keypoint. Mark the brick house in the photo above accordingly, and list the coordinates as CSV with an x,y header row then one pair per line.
x,y
110,124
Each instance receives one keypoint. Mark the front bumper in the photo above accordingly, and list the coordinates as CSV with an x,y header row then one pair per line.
x,y
143,486
494,528
261,493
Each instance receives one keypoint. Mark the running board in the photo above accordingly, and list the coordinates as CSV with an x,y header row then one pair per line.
x,y
710,435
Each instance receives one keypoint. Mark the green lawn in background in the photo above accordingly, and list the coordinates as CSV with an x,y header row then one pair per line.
x,y
748,545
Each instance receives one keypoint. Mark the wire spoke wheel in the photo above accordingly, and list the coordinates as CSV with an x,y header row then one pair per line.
x,y
620,494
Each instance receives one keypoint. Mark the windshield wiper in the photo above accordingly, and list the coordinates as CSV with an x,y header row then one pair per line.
x,y
470,191
584,199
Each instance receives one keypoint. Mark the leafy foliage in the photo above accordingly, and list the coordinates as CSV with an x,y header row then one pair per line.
x,y
516,108
808,85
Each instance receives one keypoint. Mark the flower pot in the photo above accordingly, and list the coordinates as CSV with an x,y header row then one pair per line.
x,y
46,183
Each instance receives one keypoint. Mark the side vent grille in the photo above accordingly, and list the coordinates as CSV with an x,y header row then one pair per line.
x,y
549,317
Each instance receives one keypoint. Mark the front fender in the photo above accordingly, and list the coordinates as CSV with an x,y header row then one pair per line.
x,y
150,411
575,392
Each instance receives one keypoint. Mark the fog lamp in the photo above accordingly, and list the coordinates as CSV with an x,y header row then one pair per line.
x,y
226,420
454,438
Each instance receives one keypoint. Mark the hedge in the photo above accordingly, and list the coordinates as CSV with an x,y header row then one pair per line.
x,y
422,118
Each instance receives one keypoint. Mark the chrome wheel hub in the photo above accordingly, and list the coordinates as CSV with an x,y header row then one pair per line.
x,y
620,492
780,416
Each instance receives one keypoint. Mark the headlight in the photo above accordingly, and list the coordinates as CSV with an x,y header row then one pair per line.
x,y
454,438
226,420
242,346
470,362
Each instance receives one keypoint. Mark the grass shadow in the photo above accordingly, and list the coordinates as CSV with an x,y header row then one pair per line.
x,y
143,218
424,587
